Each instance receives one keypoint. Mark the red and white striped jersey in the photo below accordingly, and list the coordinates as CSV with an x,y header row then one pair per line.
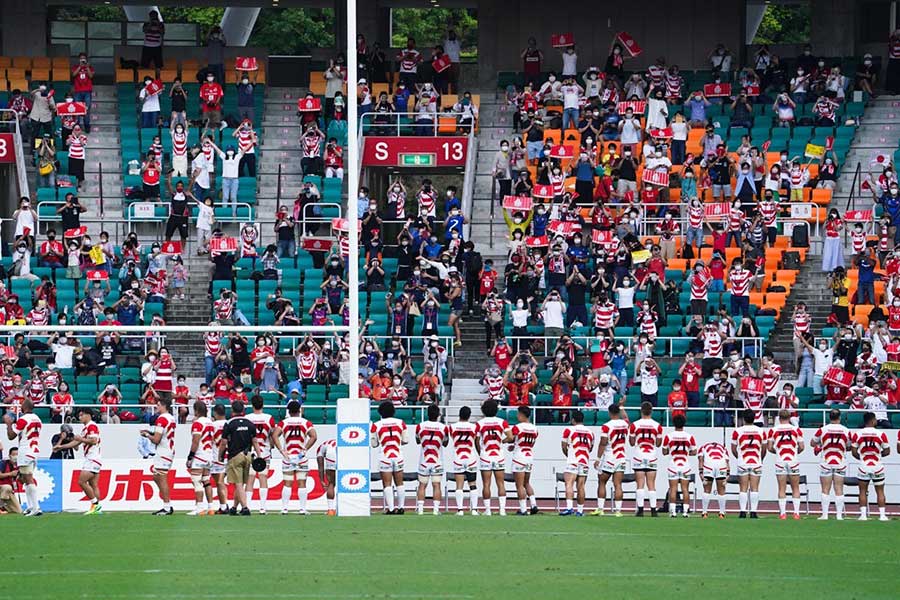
x,y
834,440
203,427
771,375
786,440
648,323
605,315
217,435
295,431
427,203
755,402
748,440
246,141
788,402
36,391
647,434
869,442
858,238
615,433
495,388
398,201
680,445
656,74
431,436
769,211
92,432
712,344
312,145
208,398
327,447
223,307
307,364
179,144
524,438
696,214
558,184
463,434
213,343
165,424
735,219
740,282
580,441
713,452
265,424
700,285
76,146
391,434
802,322
490,433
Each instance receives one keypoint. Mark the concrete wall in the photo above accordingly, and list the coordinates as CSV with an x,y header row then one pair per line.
x,y
684,32
23,27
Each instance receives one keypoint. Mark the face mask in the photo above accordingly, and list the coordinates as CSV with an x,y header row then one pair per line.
x,y
551,79
210,79
504,147
799,71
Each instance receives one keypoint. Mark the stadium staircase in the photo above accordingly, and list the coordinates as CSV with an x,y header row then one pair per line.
x,y
279,145
103,152
465,392
494,124
188,348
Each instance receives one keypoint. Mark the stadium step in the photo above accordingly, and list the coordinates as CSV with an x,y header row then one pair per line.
x,y
466,392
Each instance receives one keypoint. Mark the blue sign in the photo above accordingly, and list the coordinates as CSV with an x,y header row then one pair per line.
x,y
352,434
48,476
352,482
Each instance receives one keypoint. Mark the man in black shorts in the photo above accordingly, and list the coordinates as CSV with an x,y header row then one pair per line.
x,y
238,438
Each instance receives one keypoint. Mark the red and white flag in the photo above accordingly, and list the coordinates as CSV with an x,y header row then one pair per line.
x,y
829,143
564,228
603,237
753,385
562,152
71,109
861,216
631,47
97,275
441,63
638,106
246,63
880,160
541,241
542,191
665,133
223,244
716,210
309,105
316,244
654,177
561,40
752,90
75,232
154,87
171,248
839,377
717,90
517,203
765,146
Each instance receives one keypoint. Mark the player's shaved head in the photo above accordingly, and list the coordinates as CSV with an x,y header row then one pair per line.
x,y
257,402
614,410
293,408
219,410
464,413
834,415
646,409
200,408
869,419
679,421
524,412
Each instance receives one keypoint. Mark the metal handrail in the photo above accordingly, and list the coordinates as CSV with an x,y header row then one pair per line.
x,y
851,199
368,126
756,343
493,204
131,218
21,174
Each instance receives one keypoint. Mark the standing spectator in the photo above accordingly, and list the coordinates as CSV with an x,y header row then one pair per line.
x,y
231,160
335,80
46,162
615,62
154,31
200,184
83,87
150,176
77,142
178,98
571,93
501,170
438,78
149,105
41,115
833,249
569,62
452,49
892,83
311,143
21,106
532,58
247,142
409,59
215,52
245,101
720,59
211,96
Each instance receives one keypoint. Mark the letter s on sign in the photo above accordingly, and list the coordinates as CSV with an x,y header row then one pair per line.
x,y
381,151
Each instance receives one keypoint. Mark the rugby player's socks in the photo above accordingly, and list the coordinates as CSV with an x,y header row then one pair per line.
x,y
721,501
601,503
263,495
618,504
881,509
31,494
487,506
389,498
166,505
533,501
285,496
436,506
522,506
652,496
705,503
501,500
839,506
420,505
826,502
640,498
580,508
863,511
302,494
796,503
782,505
401,496
754,501
459,499
742,501
473,498
569,502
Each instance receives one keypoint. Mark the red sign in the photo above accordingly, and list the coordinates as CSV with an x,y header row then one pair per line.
x,y
339,224
765,146
665,134
638,106
717,90
563,228
441,63
97,275
717,210
71,109
386,151
154,87
562,152
542,191
7,148
223,244
829,143
75,232
245,63
628,43
863,216
753,385
654,177
752,90
316,244
839,377
171,248
517,203
603,237
309,105
10,352
561,40
541,241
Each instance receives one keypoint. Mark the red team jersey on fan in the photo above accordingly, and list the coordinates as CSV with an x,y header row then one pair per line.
x,y
749,440
490,434
295,431
264,425
786,440
203,427
431,436
389,433
580,440
834,439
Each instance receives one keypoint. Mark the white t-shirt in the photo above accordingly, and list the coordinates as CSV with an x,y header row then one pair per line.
x,y
626,297
63,355
200,163
802,87
631,131
649,383
823,360
230,167
151,104
570,63
451,49
875,404
205,217
679,130
519,317
553,314
570,96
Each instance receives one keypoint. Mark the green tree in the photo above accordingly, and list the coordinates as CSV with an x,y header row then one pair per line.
x,y
294,30
428,26
784,24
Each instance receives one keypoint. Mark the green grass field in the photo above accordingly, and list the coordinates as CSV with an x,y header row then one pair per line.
x,y
281,557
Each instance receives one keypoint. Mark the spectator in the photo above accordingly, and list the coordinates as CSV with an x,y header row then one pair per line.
x,y
149,105
77,142
720,59
154,31
178,98
83,87
452,49
211,96
335,80
231,161
215,52
532,58
409,59
52,252
245,101
42,108
46,162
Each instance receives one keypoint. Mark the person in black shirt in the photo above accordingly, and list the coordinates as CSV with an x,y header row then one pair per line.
x,y
178,210
238,439
70,212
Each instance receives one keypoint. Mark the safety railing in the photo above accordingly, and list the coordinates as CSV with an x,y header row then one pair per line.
x,y
308,216
857,179
132,213
128,345
21,174
748,345
493,205
393,124
468,188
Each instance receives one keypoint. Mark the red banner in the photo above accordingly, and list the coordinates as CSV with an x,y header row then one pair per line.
x,y
517,203
75,232
765,146
309,105
753,385
829,143
223,244
603,237
717,90
862,216
395,151
316,244
562,152
171,248
71,109
7,148
441,63
564,228
246,63
9,352
665,134
638,106
654,177
716,210
542,191
561,40
752,90
154,87
541,241
97,275
631,47
839,377
343,225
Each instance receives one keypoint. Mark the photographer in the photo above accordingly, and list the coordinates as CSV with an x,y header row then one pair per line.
x,y
10,487
65,435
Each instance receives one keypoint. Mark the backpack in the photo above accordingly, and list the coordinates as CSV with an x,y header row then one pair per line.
x,y
791,260
687,251
776,288
800,236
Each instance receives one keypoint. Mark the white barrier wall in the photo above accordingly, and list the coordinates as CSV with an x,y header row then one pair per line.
x,y
126,482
